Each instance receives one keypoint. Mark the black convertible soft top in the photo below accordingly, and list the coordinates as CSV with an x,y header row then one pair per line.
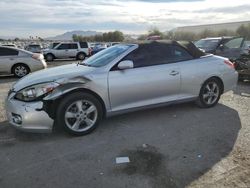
x,y
188,46
192,49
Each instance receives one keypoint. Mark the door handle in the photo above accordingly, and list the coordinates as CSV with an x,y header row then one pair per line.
x,y
174,73
11,58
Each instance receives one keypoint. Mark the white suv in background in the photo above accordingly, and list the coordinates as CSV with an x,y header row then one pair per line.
x,y
78,50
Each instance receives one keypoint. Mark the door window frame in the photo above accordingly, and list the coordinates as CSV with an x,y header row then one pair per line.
x,y
58,48
17,52
73,44
241,45
115,67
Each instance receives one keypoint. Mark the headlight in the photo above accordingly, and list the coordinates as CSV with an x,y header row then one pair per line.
x,y
36,91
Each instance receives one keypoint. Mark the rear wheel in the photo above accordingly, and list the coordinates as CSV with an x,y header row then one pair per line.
x,y
80,56
20,70
210,93
79,113
49,57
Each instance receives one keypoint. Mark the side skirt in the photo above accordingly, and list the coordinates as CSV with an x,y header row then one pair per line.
x,y
114,113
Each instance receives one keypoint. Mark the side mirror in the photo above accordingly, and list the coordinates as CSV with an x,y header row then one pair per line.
x,y
127,64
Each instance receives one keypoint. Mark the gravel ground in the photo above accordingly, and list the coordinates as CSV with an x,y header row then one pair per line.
x,y
175,146
233,170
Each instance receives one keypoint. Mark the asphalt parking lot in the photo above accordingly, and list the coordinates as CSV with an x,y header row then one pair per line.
x,y
174,146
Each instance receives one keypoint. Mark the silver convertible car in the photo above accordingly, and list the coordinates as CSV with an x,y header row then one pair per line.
x,y
119,79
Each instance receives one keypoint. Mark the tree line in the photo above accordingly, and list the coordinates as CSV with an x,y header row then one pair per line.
x,y
115,36
243,30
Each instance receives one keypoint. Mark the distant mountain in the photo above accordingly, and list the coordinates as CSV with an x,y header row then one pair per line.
x,y
68,35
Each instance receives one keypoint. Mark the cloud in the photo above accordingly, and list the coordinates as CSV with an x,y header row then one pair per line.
x,y
227,9
51,17
162,1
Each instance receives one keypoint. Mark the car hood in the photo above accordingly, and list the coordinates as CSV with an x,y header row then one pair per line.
x,y
52,74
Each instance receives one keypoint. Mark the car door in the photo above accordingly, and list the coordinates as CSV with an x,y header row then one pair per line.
x,y
61,51
73,50
232,49
7,59
153,79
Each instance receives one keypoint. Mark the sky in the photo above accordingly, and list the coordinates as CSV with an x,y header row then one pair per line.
x,y
44,18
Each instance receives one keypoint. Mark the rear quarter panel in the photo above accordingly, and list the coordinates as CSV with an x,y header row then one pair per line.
x,y
33,64
84,50
195,72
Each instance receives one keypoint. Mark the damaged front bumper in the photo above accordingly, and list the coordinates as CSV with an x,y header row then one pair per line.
x,y
28,116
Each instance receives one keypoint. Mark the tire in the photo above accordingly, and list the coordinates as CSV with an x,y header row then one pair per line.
x,y
49,57
73,116
210,93
80,56
20,70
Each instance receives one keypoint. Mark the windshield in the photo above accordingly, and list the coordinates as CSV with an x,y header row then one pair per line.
x,y
207,43
104,57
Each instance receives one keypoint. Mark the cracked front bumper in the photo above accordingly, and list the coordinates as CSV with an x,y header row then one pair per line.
x,y
33,119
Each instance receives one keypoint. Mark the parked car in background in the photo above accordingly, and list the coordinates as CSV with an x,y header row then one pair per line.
x,y
247,47
242,65
78,50
20,62
97,48
154,37
10,45
234,48
112,44
35,48
230,47
119,79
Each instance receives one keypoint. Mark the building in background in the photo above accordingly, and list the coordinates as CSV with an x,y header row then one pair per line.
x,y
232,26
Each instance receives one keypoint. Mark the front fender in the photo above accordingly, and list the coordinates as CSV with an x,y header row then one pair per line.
x,y
86,83
68,85
62,91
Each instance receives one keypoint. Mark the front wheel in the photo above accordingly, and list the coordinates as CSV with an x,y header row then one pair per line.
x,y
210,93
79,113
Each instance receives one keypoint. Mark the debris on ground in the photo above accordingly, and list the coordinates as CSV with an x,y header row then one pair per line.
x,y
120,160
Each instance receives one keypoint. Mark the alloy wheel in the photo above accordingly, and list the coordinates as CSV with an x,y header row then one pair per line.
x,y
211,93
81,56
81,115
20,71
